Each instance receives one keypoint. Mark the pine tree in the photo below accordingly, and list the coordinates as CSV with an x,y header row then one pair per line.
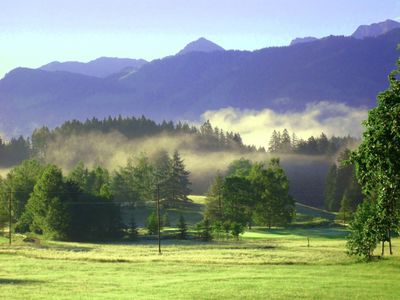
x,y
345,208
206,231
152,223
214,209
182,228
179,181
46,205
274,142
285,143
331,188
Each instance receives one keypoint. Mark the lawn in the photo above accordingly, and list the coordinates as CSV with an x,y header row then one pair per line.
x,y
264,264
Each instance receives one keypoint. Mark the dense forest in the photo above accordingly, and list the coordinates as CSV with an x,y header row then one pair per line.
x,y
204,138
76,141
86,203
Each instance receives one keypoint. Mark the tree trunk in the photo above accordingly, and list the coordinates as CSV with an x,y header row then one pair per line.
x,y
390,242
383,248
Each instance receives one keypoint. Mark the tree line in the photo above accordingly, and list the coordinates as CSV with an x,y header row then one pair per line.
x,y
206,137
85,204
286,143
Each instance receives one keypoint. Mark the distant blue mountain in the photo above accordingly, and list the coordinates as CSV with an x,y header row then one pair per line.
x,y
341,69
101,67
375,29
307,39
200,45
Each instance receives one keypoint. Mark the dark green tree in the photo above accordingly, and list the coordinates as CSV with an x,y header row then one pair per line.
x,y
237,229
274,206
182,228
165,220
152,224
331,188
214,201
179,179
47,207
206,231
19,182
237,197
345,207
365,230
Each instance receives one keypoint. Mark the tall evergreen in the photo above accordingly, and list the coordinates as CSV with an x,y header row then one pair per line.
x,y
47,207
331,188
182,228
179,181
214,201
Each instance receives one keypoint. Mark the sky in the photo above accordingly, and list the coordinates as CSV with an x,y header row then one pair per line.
x,y
33,33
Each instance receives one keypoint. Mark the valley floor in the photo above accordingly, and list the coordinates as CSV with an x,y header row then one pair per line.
x,y
274,264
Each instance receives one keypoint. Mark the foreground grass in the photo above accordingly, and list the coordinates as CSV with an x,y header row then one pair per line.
x,y
275,264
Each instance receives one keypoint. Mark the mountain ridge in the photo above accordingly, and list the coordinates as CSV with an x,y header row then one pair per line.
x,y
375,29
341,69
100,67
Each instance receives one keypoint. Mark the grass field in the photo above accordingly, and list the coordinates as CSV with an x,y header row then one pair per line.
x,y
264,264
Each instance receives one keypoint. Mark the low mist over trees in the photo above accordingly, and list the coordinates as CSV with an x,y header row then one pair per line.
x,y
86,203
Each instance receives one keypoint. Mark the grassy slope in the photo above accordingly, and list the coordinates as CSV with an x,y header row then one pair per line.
x,y
264,264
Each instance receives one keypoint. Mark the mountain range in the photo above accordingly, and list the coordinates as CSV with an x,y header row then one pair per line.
x,y
100,67
201,77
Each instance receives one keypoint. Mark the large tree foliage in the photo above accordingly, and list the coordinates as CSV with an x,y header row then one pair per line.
x,y
76,208
255,193
364,231
377,158
274,205
18,185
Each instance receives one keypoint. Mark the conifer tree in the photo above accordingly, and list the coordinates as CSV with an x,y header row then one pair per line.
x,y
182,228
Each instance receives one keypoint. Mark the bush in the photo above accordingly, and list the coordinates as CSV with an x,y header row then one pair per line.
x,y
365,231
152,224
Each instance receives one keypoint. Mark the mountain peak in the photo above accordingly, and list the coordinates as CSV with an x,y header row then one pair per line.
x,y
375,29
303,40
200,45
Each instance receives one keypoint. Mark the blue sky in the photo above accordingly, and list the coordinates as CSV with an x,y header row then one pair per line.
x,y
33,33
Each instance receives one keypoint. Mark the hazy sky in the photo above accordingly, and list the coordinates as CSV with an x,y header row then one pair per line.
x,y
35,32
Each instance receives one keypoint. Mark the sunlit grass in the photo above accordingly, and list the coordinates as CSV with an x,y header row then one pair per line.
x,y
264,264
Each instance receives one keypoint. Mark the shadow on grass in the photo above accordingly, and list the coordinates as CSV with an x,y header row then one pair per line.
x,y
329,232
13,281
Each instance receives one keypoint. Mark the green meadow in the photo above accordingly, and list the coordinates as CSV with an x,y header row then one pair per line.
x,y
303,261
